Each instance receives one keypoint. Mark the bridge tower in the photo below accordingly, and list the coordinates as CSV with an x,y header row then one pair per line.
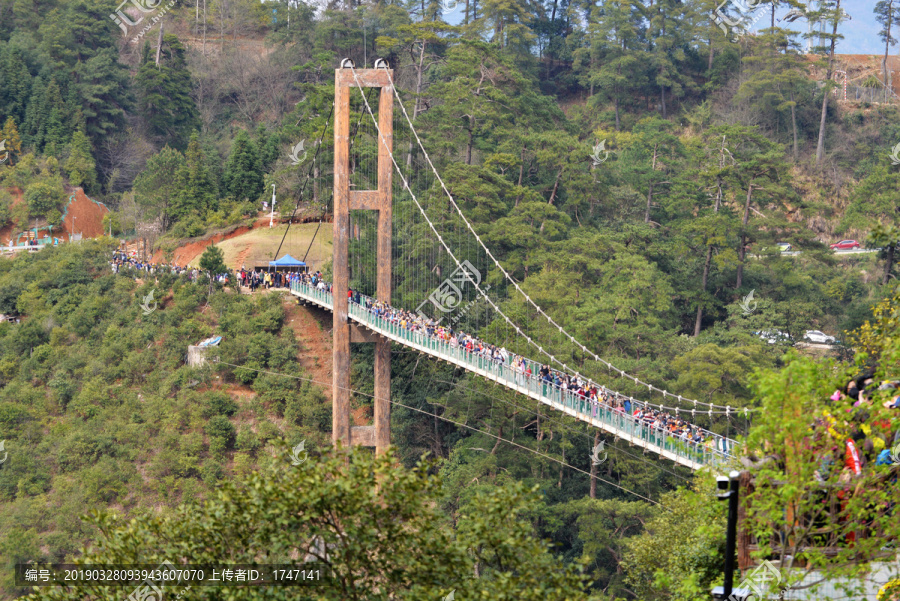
x,y
379,200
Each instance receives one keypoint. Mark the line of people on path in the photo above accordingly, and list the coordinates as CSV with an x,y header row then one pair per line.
x,y
121,263
526,370
253,279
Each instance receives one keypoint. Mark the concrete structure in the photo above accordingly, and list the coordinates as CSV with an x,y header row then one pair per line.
x,y
379,200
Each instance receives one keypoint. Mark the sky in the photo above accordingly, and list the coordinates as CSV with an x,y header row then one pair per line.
x,y
860,32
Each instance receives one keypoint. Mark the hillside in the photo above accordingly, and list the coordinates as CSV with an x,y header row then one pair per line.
x,y
256,245
617,176
81,215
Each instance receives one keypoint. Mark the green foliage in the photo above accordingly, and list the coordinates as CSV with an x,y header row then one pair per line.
x,y
164,92
247,440
123,424
196,193
242,177
79,165
211,472
680,554
645,257
221,433
155,190
43,197
420,557
213,261
5,207
9,134
219,403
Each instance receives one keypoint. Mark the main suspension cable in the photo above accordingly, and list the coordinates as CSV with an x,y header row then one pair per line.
x,y
303,188
512,281
538,346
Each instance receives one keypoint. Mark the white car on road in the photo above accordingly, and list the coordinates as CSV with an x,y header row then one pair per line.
x,y
818,337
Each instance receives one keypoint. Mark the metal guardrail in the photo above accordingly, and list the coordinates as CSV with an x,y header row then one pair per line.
x,y
718,449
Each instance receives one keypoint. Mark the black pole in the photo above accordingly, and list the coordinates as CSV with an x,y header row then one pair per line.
x,y
730,486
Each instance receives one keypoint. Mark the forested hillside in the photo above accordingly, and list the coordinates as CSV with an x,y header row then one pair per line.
x,y
630,163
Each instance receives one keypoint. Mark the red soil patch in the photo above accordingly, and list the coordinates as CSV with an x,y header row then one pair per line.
x,y
82,215
362,416
190,251
311,328
8,231
242,258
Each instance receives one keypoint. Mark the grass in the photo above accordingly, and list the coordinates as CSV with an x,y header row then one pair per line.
x,y
263,242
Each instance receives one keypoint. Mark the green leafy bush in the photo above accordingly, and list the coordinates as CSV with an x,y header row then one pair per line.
x,y
219,403
211,472
43,197
247,440
221,432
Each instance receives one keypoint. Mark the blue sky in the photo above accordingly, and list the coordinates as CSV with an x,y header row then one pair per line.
x,y
860,32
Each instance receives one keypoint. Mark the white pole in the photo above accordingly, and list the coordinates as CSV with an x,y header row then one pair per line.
x,y
272,215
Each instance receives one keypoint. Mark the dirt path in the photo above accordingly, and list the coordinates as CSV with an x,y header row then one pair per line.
x,y
242,257
311,326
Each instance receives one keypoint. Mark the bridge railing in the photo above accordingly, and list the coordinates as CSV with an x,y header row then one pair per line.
x,y
713,450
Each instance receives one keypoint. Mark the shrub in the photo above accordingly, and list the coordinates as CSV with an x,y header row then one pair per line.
x,y
219,403
220,430
243,464
247,440
268,431
211,472
42,197
189,227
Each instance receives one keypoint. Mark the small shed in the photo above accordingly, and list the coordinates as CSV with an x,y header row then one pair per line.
x,y
196,356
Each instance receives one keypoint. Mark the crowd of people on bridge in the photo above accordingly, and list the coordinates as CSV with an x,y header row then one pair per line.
x,y
524,370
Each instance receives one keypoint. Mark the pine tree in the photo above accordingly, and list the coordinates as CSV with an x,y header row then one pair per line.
x,y
15,83
195,188
80,165
830,12
102,93
243,179
777,79
10,134
57,130
155,189
887,13
47,118
213,261
268,147
34,126
669,30
612,55
164,92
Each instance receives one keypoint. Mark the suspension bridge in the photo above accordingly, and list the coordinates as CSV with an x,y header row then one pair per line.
x,y
434,238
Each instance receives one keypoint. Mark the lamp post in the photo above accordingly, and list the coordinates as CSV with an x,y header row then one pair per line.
x,y
729,487
272,214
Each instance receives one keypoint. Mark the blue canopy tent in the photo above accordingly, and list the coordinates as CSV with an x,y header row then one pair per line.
x,y
288,263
